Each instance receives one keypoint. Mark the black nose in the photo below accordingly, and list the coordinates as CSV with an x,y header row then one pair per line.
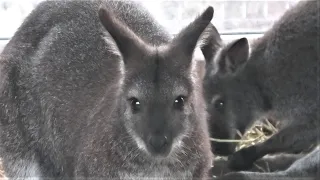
x,y
222,149
158,142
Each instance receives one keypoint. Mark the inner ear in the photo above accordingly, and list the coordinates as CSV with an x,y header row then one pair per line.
x,y
184,43
210,43
129,44
238,52
233,56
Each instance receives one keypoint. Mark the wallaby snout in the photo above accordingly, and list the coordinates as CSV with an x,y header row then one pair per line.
x,y
222,148
159,145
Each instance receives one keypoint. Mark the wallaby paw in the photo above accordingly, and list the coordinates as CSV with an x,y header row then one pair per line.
x,y
242,159
232,176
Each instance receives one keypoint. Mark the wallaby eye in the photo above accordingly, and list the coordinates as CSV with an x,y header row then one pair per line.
x,y
219,105
179,102
135,104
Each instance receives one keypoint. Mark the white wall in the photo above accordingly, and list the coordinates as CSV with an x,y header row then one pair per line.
x,y
2,44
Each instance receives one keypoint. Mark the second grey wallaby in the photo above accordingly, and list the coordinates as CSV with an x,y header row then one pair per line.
x,y
278,79
96,89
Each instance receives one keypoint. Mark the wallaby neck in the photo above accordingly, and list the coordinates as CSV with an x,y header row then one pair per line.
x,y
255,70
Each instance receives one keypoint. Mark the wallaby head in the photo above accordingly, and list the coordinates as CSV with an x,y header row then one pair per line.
x,y
231,94
157,93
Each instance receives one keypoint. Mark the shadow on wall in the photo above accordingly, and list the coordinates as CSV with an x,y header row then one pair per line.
x,y
2,44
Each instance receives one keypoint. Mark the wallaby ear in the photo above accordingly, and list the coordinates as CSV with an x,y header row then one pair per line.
x,y
210,42
188,37
233,56
127,41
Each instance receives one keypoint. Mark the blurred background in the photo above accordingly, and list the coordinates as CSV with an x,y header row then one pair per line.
x,y
232,17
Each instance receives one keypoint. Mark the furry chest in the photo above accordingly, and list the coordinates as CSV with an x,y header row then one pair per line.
x,y
156,174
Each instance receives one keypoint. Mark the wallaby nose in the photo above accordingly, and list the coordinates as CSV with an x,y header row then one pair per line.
x,y
158,142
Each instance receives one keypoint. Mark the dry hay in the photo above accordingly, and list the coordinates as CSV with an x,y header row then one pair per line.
x,y
259,132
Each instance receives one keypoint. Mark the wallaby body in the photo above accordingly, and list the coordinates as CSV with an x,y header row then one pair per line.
x,y
90,92
278,80
307,167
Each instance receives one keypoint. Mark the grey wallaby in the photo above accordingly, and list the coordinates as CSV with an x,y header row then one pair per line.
x,y
279,78
97,89
305,168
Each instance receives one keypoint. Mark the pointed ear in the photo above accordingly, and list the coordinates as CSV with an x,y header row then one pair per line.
x,y
233,56
127,41
210,42
186,41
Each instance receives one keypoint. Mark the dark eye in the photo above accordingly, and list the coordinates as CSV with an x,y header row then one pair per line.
x,y
219,104
135,104
179,102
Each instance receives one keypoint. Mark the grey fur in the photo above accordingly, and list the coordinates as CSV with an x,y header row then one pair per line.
x,y
66,89
279,80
